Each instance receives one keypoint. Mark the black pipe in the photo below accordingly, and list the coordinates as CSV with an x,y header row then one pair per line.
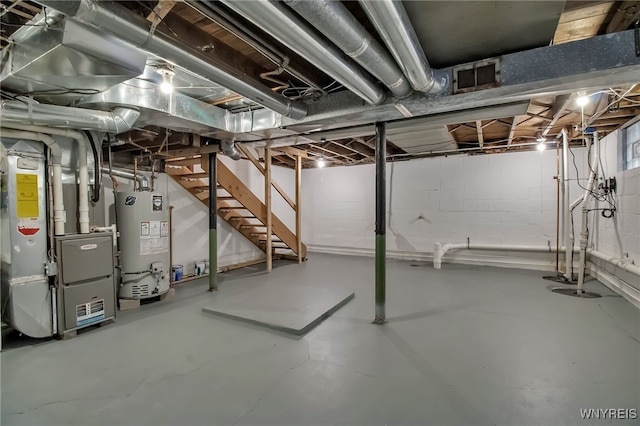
x,y
97,173
213,222
381,222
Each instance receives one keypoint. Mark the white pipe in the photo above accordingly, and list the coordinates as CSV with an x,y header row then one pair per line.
x,y
584,233
59,215
83,172
441,250
624,264
112,228
566,216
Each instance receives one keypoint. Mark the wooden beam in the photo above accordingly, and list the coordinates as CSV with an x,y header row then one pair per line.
x,y
267,203
298,208
292,151
560,104
184,161
161,10
27,6
346,147
627,13
334,153
195,150
480,136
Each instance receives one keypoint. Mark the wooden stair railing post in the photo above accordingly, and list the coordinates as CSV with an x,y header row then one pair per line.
x,y
298,210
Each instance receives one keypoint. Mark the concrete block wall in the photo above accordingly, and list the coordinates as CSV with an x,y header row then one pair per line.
x,y
491,199
618,237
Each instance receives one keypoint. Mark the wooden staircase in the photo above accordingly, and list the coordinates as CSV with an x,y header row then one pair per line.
x,y
238,206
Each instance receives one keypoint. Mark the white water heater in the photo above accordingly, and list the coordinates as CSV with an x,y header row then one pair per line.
x,y
143,221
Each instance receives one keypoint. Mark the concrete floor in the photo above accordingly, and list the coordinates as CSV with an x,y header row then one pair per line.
x,y
464,345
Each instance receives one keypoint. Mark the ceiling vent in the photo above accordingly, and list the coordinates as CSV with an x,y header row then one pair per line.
x,y
476,76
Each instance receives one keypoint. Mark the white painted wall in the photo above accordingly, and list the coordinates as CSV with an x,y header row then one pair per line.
x,y
191,220
492,199
619,237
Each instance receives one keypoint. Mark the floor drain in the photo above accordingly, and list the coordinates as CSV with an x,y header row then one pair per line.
x,y
573,292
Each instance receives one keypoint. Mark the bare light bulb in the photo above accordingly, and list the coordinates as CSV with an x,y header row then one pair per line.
x,y
166,87
582,100
320,163
541,146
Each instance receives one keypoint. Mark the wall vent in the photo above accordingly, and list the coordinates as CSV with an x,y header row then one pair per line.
x,y
476,76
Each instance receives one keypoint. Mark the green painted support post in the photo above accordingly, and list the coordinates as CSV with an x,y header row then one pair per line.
x,y
213,223
381,228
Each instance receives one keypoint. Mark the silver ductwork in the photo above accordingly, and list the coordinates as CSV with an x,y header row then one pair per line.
x,y
120,22
117,121
333,20
282,24
393,24
58,61
143,182
229,149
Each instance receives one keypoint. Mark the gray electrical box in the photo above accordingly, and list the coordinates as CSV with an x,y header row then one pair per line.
x,y
86,291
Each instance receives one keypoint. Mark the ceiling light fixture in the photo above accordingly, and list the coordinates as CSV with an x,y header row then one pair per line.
x,y
541,146
320,163
582,100
167,80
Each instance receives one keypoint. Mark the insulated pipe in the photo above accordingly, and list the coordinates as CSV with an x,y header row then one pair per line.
x,y
117,121
59,215
584,232
567,226
439,250
333,20
143,183
229,149
391,20
120,22
83,171
626,265
381,223
284,25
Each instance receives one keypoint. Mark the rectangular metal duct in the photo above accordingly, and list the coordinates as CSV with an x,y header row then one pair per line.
x,y
63,61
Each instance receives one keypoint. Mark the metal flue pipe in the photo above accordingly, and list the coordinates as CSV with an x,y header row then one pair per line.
x,y
333,20
117,121
284,25
229,149
120,22
143,182
393,24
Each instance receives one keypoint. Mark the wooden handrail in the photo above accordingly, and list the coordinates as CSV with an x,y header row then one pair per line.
x,y
259,166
